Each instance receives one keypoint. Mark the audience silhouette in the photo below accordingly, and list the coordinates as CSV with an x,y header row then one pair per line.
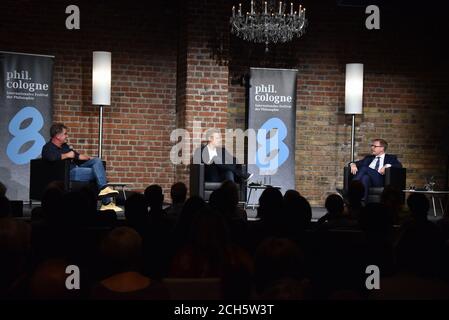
x,y
281,254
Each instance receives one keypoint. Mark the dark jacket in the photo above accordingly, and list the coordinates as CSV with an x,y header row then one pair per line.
x,y
389,159
52,152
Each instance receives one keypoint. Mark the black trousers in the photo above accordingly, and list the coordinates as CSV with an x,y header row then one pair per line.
x,y
369,178
221,172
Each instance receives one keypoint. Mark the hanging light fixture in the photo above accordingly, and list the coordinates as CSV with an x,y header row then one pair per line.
x,y
268,22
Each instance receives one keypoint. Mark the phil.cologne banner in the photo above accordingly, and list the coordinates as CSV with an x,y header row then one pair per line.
x,y
272,114
26,115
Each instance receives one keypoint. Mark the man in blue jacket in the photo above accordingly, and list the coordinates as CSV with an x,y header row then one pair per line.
x,y
371,169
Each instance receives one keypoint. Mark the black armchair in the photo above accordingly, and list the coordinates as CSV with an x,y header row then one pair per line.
x,y
394,177
43,172
200,187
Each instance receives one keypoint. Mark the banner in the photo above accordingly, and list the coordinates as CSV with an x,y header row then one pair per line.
x,y
272,115
26,116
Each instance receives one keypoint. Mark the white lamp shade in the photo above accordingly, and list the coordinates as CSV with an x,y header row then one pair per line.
x,y
354,88
101,78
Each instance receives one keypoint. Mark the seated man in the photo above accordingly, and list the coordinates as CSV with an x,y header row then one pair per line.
x,y
371,169
58,149
220,165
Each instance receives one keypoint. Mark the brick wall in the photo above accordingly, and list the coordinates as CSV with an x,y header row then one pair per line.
x,y
167,75
142,40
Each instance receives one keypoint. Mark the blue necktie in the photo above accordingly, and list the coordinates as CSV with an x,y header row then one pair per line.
x,y
376,166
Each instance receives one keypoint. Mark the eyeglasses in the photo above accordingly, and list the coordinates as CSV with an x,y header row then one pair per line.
x,y
374,146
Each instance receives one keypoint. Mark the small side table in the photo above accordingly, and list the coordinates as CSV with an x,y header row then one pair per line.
x,y
433,194
257,187
119,185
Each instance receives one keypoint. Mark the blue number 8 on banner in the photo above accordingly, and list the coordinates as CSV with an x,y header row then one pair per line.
x,y
273,152
22,136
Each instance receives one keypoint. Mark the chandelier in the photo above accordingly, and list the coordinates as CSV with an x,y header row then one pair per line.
x,y
266,23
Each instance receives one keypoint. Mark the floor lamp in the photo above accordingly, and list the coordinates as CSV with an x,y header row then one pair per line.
x,y
353,96
101,88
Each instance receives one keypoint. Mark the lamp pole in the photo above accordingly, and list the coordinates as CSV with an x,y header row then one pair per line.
x,y
100,132
352,137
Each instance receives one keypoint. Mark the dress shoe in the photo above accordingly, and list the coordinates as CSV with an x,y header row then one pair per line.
x,y
110,206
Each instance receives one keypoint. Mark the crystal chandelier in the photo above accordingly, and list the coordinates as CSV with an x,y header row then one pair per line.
x,y
267,23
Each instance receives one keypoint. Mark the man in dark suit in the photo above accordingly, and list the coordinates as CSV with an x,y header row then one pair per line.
x,y
220,164
371,169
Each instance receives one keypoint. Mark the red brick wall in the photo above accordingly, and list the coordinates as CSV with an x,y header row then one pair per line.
x,y
405,100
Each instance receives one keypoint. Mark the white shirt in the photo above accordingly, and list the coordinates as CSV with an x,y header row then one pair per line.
x,y
381,162
212,153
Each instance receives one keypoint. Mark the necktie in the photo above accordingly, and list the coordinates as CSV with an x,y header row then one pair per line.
x,y
376,166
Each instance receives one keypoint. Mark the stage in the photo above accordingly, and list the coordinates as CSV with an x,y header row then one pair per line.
x,y
317,212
